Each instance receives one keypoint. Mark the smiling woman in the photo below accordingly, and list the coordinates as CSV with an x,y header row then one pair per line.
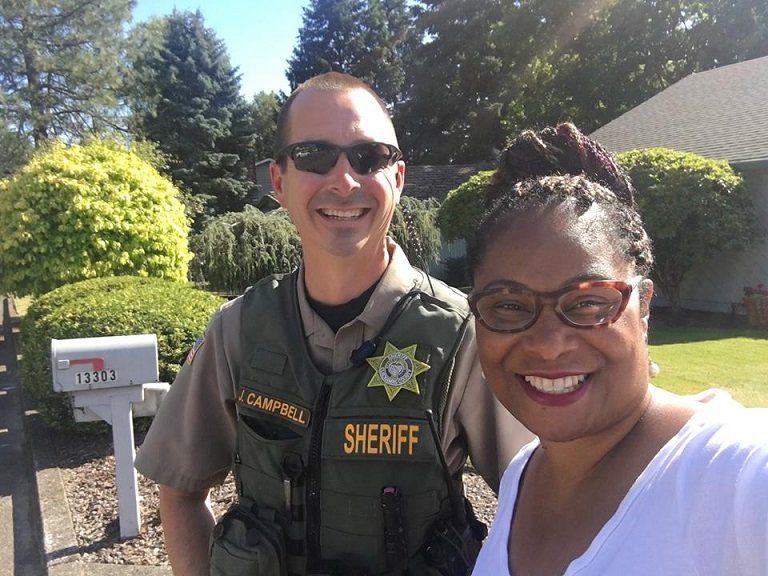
x,y
624,478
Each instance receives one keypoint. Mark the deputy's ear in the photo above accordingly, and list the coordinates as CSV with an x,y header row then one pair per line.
x,y
276,174
400,176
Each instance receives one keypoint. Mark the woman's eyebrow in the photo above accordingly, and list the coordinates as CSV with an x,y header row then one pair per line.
x,y
515,285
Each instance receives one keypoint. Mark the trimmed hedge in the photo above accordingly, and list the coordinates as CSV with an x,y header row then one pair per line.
x,y
692,207
460,213
175,312
91,211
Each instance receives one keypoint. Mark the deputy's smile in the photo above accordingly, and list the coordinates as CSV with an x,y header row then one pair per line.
x,y
337,214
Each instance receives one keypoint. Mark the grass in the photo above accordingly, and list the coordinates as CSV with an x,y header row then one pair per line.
x,y
695,359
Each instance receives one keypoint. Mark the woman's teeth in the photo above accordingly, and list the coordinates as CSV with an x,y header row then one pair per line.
x,y
343,214
556,386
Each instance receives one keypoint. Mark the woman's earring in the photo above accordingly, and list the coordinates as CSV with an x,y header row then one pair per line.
x,y
653,369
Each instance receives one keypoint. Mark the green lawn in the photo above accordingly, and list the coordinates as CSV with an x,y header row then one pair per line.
x,y
694,359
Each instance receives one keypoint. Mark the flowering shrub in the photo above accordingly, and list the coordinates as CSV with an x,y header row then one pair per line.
x,y
756,304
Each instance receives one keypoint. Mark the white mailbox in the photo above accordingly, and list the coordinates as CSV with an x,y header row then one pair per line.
x,y
103,362
112,378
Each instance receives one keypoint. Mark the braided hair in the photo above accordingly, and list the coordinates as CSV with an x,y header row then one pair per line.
x,y
560,166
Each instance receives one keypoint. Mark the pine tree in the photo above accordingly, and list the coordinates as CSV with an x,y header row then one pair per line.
x,y
60,66
193,110
366,38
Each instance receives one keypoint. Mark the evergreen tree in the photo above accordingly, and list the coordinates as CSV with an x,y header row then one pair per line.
x,y
366,38
265,108
489,68
60,66
452,112
193,110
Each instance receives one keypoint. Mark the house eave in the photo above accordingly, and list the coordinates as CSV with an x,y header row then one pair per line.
x,y
756,164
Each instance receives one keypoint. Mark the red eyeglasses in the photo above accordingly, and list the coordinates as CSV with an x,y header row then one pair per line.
x,y
508,308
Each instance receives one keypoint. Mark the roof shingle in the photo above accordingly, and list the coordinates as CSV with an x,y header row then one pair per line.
x,y
721,114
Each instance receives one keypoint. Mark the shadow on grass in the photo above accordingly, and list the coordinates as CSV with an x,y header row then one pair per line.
x,y
695,326
672,335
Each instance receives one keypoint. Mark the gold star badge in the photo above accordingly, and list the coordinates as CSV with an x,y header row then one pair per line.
x,y
396,369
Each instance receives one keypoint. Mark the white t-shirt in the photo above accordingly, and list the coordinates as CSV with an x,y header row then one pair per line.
x,y
699,508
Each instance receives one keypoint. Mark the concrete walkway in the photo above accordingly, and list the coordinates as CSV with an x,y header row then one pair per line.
x,y
37,537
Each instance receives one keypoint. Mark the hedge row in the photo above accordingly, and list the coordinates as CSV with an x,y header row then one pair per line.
x,y
176,312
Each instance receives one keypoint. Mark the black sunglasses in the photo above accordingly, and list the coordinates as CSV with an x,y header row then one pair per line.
x,y
320,157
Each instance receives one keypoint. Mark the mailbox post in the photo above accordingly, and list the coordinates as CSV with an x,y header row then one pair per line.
x,y
112,378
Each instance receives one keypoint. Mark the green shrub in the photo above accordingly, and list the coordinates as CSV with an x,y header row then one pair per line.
x,y
80,212
692,208
421,237
175,312
237,249
456,272
459,214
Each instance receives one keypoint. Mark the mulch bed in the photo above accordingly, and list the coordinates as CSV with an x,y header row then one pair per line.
x,y
87,467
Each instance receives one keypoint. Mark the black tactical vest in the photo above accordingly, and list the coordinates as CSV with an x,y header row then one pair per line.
x,y
346,462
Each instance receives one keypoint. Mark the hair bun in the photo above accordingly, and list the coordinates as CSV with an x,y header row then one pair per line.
x,y
561,150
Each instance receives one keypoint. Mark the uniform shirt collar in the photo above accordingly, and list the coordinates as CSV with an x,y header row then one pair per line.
x,y
331,350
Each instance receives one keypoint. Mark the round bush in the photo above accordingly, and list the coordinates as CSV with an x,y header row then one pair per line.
x,y
692,208
175,312
459,214
79,212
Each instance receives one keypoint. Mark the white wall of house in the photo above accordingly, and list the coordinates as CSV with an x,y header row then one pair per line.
x,y
718,284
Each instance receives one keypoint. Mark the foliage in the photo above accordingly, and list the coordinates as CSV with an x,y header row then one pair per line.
x,y
452,109
459,214
366,38
488,69
692,207
60,66
87,211
419,238
455,273
15,151
235,250
175,312
265,108
188,102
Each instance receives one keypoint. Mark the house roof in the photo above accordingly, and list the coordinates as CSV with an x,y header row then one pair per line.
x,y
721,114
424,182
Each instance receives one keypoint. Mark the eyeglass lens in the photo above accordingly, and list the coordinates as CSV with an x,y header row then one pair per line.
x,y
365,158
507,309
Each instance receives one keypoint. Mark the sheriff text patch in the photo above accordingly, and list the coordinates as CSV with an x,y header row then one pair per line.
x,y
407,439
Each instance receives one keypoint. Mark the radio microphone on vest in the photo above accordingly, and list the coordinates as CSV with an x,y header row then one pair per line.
x,y
364,351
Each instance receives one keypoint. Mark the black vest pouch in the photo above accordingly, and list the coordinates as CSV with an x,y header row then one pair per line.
x,y
247,541
454,544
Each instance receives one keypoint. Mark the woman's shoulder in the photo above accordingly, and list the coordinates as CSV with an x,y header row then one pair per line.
x,y
724,437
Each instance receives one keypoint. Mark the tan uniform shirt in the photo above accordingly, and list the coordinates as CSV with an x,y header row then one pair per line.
x,y
192,438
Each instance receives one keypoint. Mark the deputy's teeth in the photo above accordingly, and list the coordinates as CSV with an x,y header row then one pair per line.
x,y
558,385
343,214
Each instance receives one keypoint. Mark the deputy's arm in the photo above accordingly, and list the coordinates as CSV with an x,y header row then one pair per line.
x,y
187,524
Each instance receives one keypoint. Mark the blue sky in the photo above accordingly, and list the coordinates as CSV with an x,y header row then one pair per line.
x,y
259,34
